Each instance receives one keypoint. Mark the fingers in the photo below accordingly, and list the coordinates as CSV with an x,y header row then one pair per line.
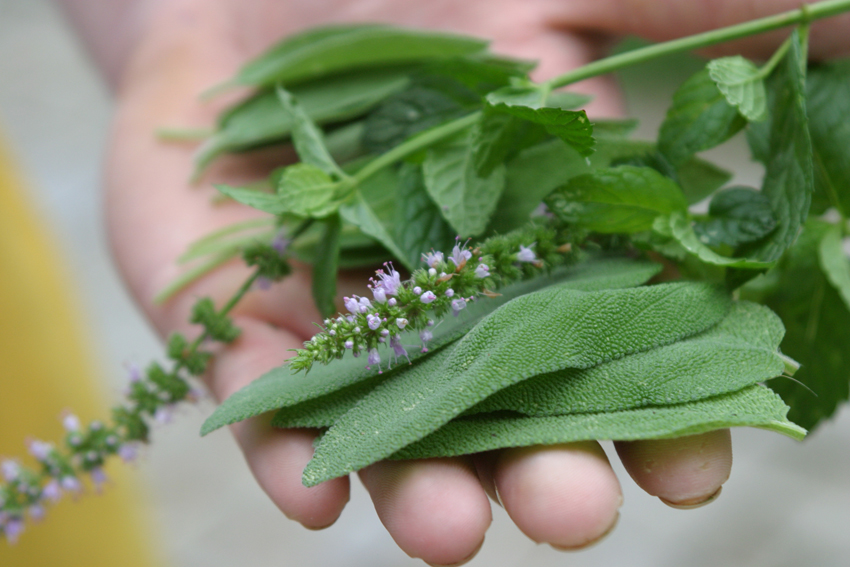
x,y
434,509
564,495
682,472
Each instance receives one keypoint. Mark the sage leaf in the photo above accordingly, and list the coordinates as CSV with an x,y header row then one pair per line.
x,y
699,118
325,267
306,136
835,263
465,200
755,406
788,180
331,50
619,199
740,351
742,84
679,227
737,215
419,226
540,332
358,212
281,387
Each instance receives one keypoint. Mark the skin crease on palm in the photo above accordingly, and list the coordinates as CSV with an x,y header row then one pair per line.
x,y
160,54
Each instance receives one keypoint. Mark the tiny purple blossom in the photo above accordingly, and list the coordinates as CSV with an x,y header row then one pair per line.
x,y
281,243
526,254
390,280
351,304
52,491
71,422
162,415
432,272
263,283
374,357
332,333
380,294
450,292
12,529
373,321
365,304
482,271
134,372
70,483
460,256
385,332
98,477
417,290
10,470
36,512
458,305
40,450
392,302
433,258
398,349
427,297
349,344
401,322
128,452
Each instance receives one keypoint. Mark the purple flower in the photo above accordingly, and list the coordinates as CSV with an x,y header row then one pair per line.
x,y
401,322
70,483
365,304
482,271
433,258
162,415
374,357
40,450
417,290
380,294
51,491
458,305
135,373
373,321
128,452
526,254
398,349
10,470
349,344
98,477
351,304
389,281
460,256
12,529
71,422
450,292
281,243
392,302
427,297
36,512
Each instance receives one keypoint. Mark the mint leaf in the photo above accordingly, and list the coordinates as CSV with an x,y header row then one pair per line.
x,y
325,267
699,118
465,200
332,50
358,212
738,215
511,344
835,263
281,387
419,226
307,191
742,84
620,199
266,202
754,406
571,126
306,136
679,227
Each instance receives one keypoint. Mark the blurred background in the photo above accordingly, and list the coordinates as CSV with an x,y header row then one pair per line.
x,y
786,504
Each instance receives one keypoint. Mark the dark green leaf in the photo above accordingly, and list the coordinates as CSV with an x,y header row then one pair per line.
x,y
742,84
738,215
700,118
513,343
418,226
359,213
325,267
610,128
620,199
755,406
328,51
306,137
498,137
835,263
679,227
571,126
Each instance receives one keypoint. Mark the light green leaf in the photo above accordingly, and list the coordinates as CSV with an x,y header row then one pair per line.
x,y
338,49
699,118
742,84
620,199
738,215
358,212
531,96
755,406
739,351
266,202
306,137
679,227
418,226
307,191
466,200
282,388
536,333
835,263
325,267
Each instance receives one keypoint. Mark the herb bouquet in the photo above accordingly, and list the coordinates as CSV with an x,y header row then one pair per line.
x,y
544,277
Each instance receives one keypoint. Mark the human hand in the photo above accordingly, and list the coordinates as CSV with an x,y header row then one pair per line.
x,y
437,510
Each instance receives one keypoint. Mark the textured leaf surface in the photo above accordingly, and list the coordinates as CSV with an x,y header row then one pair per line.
x,y
281,387
739,351
307,191
738,215
754,406
541,332
466,200
699,118
835,263
571,126
741,83
620,199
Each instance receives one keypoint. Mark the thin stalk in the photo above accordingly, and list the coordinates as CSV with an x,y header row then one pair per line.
x,y
803,15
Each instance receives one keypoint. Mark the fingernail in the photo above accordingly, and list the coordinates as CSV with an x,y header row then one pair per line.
x,y
461,562
590,543
691,505
498,498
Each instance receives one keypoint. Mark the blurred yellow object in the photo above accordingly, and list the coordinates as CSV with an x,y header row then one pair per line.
x,y
45,368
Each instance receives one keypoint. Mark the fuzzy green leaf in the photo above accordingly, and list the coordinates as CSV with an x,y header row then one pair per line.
x,y
418,225
679,227
742,84
737,215
325,267
282,388
541,332
835,263
620,199
337,49
466,200
755,406
739,351
699,118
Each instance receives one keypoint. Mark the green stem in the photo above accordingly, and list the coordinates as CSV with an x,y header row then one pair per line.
x,y
774,60
184,134
803,15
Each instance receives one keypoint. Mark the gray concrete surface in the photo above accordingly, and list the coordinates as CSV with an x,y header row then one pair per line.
x,y
787,504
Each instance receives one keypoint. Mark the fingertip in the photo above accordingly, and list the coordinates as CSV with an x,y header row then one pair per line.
x,y
682,472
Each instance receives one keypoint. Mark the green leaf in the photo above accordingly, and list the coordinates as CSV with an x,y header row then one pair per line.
x,y
828,106
513,343
282,388
358,212
258,120
755,406
307,191
679,227
419,226
699,118
325,267
498,137
333,50
621,199
788,180
465,200
817,324
742,84
835,263
738,352
306,137
738,215
571,126
266,202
